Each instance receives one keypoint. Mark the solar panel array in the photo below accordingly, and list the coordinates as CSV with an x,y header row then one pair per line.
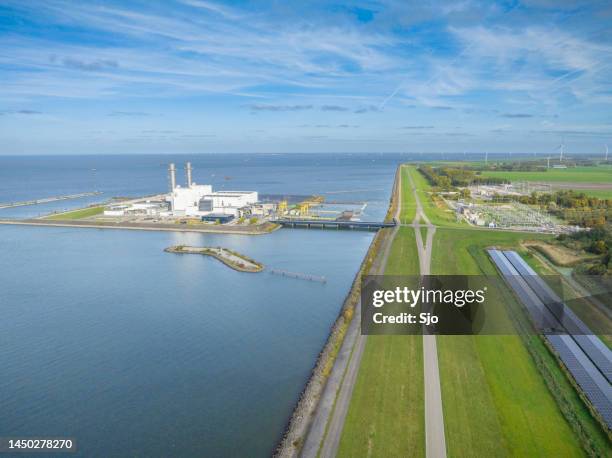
x,y
596,388
585,370
592,345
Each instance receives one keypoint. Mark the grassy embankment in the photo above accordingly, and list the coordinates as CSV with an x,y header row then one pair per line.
x,y
525,392
386,414
496,403
385,417
408,210
437,211
502,395
498,398
78,214
574,175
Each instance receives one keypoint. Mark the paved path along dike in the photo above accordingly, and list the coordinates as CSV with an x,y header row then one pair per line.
x,y
339,387
435,440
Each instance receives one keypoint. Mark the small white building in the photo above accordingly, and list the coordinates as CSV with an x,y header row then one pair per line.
x,y
263,209
136,208
227,202
116,210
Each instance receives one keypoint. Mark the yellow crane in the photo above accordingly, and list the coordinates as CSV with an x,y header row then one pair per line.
x,y
303,208
281,209
317,199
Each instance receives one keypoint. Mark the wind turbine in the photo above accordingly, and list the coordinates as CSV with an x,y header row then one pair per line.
x,y
606,153
548,162
487,158
561,150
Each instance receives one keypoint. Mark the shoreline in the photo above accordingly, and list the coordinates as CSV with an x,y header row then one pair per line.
x,y
299,424
236,230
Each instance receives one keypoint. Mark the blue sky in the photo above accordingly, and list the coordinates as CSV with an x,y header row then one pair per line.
x,y
189,76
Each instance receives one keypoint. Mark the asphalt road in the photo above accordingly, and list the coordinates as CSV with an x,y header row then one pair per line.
x,y
435,440
342,380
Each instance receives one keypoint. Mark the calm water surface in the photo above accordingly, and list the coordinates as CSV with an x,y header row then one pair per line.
x,y
137,352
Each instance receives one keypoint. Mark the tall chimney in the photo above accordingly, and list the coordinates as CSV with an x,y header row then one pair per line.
x,y
188,168
172,176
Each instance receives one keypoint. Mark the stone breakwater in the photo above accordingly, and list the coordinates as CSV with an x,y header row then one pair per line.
x,y
298,425
228,257
259,229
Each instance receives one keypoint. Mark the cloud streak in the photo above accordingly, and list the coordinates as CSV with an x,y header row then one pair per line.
x,y
262,107
92,66
22,112
516,115
129,114
334,108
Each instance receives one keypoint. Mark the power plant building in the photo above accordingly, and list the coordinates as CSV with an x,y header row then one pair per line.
x,y
200,200
193,200
227,202
186,201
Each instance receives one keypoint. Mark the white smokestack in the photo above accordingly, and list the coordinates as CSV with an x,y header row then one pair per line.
x,y
188,168
172,176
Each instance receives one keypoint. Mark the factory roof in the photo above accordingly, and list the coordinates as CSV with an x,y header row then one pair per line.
x,y
231,193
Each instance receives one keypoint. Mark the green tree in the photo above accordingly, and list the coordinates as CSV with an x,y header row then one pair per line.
x,y
599,247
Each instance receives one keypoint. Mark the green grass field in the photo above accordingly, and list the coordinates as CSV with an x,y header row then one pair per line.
x,y
599,193
440,215
495,400
78,214
597,440
408,210
385,418
403,257
575,175
591,174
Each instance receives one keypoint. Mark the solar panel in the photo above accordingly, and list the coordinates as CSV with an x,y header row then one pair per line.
x,y
540,316
590,379
594,348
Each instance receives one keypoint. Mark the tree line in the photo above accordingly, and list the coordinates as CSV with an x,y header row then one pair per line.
x,y
448,178
597,240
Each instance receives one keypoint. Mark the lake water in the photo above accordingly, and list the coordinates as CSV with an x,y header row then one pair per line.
x,y
136,352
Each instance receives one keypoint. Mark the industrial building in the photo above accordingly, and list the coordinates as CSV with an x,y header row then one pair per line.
x,y
147,208
200,200
192,201
227,202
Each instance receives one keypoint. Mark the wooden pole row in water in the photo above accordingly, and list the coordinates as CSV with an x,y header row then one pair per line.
x,y
299,275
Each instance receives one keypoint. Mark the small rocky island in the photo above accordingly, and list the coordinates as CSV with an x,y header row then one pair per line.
x,y
228,257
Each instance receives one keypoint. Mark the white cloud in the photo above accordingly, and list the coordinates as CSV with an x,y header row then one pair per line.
x,y
398,64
